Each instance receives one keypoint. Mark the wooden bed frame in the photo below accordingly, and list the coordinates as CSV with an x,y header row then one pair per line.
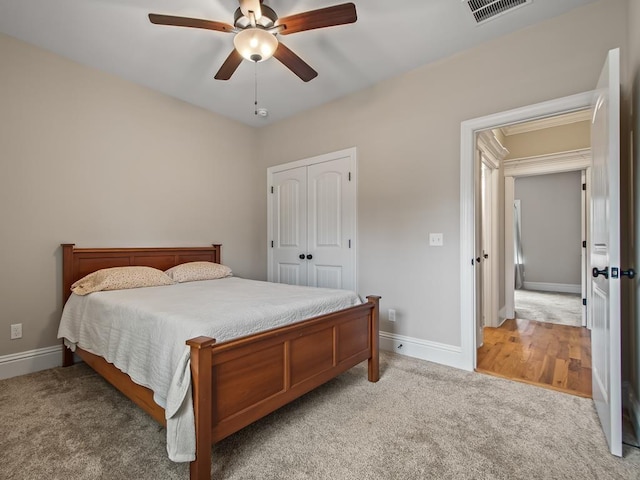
x,y
239,381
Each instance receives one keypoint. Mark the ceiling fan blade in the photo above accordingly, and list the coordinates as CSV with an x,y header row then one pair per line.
x,y
321,18
294,63
229,66
190,22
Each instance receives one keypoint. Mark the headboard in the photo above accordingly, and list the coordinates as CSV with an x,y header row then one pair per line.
x,y
78,262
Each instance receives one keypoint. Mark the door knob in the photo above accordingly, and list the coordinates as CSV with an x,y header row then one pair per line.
x,y
604,272
628,273
309,257
485,255
301,256
478,259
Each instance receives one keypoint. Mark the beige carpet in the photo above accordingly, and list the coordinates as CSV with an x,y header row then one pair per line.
x,y
551,307
420,421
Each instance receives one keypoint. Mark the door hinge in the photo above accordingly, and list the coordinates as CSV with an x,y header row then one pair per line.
x,y
271,188
271,243
584,302
349,243
584,244
584,186
349,176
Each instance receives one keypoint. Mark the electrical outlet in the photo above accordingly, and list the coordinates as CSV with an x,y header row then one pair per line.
x,y
16,331
392,315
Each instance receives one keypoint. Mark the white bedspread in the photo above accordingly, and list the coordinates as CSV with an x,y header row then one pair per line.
x,y
143,331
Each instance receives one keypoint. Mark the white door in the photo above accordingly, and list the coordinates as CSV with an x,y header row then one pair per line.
x,y
605,252
331,226
312,222
289,226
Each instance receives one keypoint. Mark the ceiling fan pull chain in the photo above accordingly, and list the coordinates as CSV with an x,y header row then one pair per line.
x,y
255,93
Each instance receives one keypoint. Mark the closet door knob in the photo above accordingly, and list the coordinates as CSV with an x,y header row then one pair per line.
x,y
604,272
301,256
309,257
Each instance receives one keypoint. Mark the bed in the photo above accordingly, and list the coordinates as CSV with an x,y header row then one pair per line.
x,y
240,380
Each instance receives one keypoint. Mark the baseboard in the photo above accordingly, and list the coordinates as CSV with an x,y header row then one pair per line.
x,y
502,315
444,354
632,404
30,361
553,287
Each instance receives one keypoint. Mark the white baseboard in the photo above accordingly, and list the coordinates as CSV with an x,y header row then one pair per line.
x,y
502,315
444,354
30,361
631,402
553,287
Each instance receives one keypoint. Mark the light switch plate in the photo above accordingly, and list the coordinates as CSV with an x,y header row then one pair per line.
x,y
436,239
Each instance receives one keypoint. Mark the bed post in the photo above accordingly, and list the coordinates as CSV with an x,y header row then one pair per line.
x,y
374,339
67,281
200,468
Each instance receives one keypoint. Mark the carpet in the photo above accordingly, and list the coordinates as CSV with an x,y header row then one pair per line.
x,y
551,307
420,421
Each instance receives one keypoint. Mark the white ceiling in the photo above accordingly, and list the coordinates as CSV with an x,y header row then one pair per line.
x,y
389,38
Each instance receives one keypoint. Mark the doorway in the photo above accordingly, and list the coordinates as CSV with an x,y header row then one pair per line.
x,y
604,244
537,335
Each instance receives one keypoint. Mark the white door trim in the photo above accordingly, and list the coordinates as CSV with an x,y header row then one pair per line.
x,y
305,162
492,154
468,131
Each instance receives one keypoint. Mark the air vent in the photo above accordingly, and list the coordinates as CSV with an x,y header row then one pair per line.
x,y
484,10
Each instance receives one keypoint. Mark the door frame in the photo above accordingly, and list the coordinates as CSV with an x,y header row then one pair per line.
x,y
491,155
570,161
305,162
468,133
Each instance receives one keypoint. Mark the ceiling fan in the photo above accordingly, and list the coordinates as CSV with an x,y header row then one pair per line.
x,y
256,27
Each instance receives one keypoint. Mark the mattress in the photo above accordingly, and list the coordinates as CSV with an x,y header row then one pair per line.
x,y
143,331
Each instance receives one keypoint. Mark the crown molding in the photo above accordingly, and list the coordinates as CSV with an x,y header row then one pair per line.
x,y
549,122
493,151
552,163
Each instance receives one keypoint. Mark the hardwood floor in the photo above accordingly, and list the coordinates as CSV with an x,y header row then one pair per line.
x,y
544,354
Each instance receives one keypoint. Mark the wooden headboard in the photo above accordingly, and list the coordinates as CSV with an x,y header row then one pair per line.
x,y
78,262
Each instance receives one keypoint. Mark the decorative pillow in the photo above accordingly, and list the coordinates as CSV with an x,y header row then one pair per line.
x,y
192,271
120,278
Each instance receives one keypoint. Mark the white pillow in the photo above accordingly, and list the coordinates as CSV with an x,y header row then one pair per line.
x,y
193,271
120,278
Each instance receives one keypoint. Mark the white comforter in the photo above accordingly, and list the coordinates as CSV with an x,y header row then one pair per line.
x,y
143,332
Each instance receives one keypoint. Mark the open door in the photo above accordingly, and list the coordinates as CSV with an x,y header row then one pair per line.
x,y
605,252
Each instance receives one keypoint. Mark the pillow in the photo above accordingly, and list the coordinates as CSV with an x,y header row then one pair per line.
x,y
192,271
120,278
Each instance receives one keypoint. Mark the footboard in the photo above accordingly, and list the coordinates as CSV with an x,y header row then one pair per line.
x,y
250,377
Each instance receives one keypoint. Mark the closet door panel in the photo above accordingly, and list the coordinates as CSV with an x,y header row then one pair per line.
x,y
331,226
290,226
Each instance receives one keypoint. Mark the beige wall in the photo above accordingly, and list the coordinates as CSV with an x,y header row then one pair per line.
x,y
573,136
407,134
71,134
92,159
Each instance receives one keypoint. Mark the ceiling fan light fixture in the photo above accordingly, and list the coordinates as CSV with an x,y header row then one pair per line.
x,y
255,44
